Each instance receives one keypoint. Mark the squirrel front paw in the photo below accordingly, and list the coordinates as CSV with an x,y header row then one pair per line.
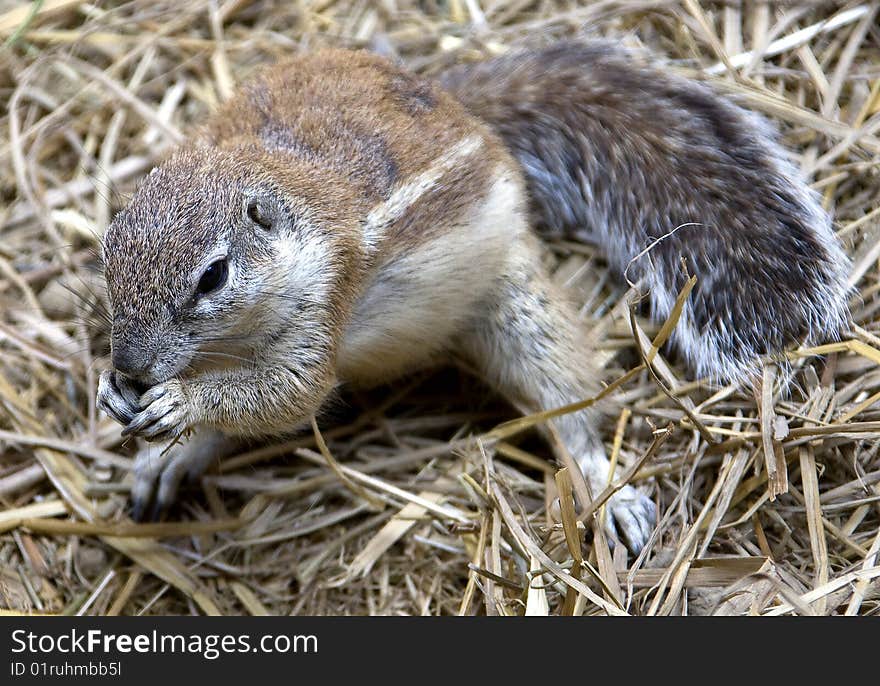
x,y
117,397
160,470
630,516
166,413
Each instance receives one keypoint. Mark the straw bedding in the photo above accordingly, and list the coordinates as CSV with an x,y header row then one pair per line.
x,y
418,498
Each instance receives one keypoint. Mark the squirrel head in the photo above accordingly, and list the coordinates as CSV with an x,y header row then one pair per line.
x,y
215,257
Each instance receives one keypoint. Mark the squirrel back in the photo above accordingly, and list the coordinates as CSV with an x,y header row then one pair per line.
x,y
626,156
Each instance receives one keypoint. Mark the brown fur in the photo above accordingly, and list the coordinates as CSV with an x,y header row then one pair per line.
x,y
373,124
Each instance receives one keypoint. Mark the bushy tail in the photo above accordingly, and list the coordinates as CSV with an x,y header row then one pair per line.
x,y
622,154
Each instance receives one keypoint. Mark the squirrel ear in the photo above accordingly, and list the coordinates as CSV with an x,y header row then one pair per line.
x,y
260,212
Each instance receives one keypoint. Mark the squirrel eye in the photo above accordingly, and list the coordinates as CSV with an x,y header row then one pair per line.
x,y
256,215
214,277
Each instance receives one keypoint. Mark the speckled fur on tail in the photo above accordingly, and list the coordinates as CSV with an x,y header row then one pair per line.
x,y
623,154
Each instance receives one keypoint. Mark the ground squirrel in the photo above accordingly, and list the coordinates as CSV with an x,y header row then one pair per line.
x,y
341,220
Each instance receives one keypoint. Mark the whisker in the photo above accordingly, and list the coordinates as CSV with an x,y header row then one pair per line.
x,y
208,353
293,296
226,339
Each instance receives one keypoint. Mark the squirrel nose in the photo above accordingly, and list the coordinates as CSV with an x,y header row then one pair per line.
x,y
131,363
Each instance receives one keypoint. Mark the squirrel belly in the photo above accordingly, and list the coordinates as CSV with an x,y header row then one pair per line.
x,y
343,220
626,156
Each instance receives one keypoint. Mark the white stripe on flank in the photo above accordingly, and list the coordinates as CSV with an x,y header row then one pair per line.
x,y
403,197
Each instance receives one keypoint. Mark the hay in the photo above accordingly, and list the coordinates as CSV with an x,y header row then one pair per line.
x,y
430,504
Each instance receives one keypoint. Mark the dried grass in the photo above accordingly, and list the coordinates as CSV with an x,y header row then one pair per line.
x,y
768,501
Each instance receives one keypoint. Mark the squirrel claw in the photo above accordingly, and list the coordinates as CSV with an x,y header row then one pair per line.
x,y
146,505
116,397
165,415
632,515
158,473
142,511
138,507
